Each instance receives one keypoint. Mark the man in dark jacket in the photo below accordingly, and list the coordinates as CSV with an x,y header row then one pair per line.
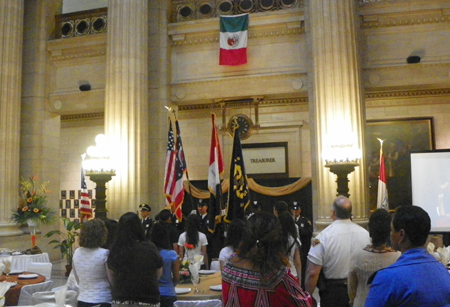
x,y
146,221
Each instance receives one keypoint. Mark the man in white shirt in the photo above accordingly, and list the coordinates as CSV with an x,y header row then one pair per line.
x,y
331,252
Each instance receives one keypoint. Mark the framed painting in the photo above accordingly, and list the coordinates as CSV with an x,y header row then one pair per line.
x,y
266,160
399,137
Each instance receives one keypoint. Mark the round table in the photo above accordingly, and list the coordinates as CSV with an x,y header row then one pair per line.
x,y
12,295
205,293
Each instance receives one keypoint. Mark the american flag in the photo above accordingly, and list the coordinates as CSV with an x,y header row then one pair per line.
x,y
180,168
85,202
169,178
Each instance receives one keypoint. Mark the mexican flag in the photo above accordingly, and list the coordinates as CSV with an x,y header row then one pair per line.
x,y
233,39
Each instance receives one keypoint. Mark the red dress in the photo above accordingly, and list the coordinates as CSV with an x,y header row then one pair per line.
x,y
244,288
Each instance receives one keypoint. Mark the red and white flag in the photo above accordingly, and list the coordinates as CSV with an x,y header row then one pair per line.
x,y
180,169
382,198
169,174
216,168
85,201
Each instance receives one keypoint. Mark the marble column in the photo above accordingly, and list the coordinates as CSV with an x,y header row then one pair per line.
x,y
126,104
336,102
11,26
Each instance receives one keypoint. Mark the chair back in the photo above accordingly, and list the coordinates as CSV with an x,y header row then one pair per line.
x,y
43,268
49,297
26,292
71,283
202,303
215,265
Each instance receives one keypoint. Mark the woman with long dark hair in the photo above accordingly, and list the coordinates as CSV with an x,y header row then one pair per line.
x,y
234,236
258,275
292,241
136,265
170,277
193,242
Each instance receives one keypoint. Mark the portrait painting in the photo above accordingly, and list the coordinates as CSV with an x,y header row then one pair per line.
x,y
399,137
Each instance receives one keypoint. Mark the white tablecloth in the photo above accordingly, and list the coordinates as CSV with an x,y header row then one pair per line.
x,y
19,263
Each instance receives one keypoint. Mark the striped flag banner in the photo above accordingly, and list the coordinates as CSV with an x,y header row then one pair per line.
x,y
180,169
233,39
169,174
382,197
85,201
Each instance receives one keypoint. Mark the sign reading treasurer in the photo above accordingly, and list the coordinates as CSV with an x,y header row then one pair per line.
x,y
266,159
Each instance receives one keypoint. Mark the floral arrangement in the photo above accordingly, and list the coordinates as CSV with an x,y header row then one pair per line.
x,y
185,273
33,203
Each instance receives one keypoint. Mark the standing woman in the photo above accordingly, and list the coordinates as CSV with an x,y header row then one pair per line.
x,y
258,275
371,258
234,236
136,265
159,235
292,241
193,241
89,266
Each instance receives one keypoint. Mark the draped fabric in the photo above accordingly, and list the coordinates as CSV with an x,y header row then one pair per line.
x,y
253,186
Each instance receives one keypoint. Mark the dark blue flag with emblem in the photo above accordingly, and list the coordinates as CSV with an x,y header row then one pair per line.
x,y
238,194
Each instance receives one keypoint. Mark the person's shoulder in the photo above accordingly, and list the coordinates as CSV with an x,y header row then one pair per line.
x,y
304,218
147,244
169,252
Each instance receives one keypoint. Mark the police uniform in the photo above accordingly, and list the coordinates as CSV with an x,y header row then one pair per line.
x,y
178,225
305,230
332,249
147,222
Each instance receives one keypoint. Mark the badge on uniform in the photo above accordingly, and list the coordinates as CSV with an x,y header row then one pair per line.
x,y
315,242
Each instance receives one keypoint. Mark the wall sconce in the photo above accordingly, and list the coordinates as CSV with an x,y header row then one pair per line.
x,y
100,169
342,160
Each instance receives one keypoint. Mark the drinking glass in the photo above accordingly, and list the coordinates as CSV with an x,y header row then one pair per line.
x,y
195,280
7,265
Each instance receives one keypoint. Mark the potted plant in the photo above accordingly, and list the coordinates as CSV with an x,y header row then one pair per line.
x,y
66,241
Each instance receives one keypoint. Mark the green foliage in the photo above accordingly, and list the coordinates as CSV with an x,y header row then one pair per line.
x,y
67,239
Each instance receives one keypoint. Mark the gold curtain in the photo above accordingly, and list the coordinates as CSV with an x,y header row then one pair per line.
x,y
253,186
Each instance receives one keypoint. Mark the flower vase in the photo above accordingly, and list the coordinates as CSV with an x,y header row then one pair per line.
x,y
32,225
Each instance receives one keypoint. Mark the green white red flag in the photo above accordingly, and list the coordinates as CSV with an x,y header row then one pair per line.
x,y
233,39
